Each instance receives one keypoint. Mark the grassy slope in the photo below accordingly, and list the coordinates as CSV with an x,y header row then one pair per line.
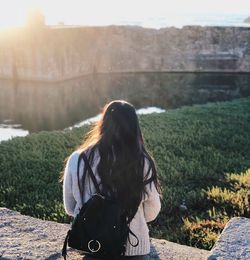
x,y
194,148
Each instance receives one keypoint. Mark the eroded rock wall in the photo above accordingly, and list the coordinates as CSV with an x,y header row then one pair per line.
x,y
61,53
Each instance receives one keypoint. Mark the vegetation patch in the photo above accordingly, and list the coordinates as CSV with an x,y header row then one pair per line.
x,y
202,154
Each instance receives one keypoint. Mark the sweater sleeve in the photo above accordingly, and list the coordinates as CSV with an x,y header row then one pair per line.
x,y
151,202
68,198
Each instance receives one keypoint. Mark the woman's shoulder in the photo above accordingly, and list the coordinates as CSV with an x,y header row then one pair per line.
x,y
74,157
73,160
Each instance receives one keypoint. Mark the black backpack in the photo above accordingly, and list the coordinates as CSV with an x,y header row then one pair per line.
x,y
100,229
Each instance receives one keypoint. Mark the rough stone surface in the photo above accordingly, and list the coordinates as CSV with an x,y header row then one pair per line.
x,y
234,241
25,237
53,54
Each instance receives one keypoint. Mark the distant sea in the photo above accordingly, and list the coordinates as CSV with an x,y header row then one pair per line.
x,y
180,20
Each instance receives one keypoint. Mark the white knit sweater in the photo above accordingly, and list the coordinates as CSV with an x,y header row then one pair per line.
x,y
147,211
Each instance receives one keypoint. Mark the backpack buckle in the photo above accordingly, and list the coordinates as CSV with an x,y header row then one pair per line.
x,y
94,246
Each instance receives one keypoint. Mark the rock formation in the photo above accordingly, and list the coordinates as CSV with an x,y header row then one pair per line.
x,y
25,237
54,54
234,241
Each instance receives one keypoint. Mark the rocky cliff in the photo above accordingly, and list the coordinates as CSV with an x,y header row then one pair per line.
x,y
54,54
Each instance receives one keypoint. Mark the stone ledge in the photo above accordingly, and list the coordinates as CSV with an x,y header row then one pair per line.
x,y
25,237
234,241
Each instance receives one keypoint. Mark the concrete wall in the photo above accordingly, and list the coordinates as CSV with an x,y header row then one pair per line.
x,y
52,54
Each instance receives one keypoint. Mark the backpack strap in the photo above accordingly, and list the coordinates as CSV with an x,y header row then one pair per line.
x,y
84,157
78,178
134,235
64,249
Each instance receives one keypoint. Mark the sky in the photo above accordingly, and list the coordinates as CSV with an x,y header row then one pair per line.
x,y
13,12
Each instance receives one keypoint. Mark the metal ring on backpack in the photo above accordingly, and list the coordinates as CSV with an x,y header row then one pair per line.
x,y
94,250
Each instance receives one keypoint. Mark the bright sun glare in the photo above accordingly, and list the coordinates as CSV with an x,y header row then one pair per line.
x,y
13,12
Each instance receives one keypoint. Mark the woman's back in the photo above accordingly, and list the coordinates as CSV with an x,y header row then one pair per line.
x,y
123,168
147,211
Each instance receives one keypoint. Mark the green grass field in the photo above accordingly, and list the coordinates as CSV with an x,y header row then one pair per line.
x,y
202,154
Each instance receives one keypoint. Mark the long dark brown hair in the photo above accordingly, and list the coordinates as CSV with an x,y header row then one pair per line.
x,y
117,137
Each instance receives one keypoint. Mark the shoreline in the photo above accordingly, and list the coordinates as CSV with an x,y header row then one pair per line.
x,y
124,73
